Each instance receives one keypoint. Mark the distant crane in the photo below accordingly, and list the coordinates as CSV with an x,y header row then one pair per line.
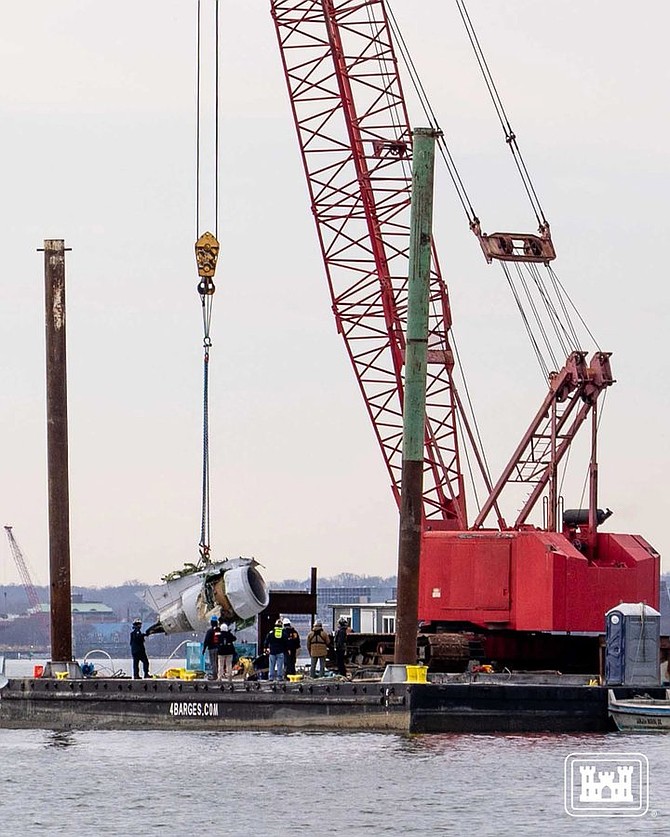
x,y
31,594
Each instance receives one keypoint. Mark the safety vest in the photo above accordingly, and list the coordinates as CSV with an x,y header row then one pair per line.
x,y
278,631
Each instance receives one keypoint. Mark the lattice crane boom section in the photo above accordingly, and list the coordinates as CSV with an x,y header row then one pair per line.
x,y
355,140
21,566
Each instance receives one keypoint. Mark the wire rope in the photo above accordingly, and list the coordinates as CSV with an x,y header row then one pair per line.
x,y
431,117
206,286
197,121
510,136
574,307
524,317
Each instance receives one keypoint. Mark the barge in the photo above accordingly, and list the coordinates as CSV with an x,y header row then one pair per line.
x,y
476,707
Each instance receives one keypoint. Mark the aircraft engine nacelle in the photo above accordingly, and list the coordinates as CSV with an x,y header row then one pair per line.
x,y
232,590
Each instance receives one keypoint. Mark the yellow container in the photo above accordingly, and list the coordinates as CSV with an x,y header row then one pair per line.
x,y
294,678
172,673
417,674
185,674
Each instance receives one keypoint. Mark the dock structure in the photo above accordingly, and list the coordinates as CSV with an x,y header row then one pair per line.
x,y
476,707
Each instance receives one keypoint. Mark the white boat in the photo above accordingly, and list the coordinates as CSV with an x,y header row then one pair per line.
x,y
640,713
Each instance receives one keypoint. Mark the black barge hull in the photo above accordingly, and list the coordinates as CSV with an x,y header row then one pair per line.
x,y
407,708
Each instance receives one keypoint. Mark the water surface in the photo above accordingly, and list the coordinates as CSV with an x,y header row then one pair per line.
x,y
209,783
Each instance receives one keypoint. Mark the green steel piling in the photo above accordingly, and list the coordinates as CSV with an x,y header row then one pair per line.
x,y
414,403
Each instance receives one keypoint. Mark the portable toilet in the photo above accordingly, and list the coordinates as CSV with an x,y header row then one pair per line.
x,y
632,645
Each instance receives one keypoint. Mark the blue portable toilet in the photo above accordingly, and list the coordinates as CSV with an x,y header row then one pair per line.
x,y
632,645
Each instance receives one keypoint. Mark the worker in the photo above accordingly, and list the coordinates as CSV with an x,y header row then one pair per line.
x,y
292,639
318,642
341,644
245,667
137,649
261,666
226,651
211,644
275,648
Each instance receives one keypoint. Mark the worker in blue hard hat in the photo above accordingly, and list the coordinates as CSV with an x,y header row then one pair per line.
x,y
210,644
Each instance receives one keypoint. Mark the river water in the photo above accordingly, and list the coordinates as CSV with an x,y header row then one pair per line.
x,y
237,783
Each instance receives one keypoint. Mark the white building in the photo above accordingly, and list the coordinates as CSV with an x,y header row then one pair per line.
x,y
367,617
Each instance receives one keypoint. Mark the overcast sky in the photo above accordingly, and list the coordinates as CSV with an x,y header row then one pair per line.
x,y
97,112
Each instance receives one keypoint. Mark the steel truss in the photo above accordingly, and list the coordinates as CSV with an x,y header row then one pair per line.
x,y
355,140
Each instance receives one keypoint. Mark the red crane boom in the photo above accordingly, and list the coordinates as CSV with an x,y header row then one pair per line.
x,y
355,140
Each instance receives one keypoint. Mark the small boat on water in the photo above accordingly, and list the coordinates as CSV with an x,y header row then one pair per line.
x,y
640,713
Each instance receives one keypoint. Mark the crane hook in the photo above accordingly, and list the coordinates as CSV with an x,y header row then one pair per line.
x,y
206,254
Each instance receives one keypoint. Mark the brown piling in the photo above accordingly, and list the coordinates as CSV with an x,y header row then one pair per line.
x,y
57,452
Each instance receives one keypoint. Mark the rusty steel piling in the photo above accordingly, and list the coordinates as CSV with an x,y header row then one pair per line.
x,y
57,452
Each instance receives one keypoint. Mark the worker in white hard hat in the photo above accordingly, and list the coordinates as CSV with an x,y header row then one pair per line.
x,y
292,640
226,651
275,648
318,642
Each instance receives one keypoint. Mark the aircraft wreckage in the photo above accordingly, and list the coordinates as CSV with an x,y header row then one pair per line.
x,y
232,590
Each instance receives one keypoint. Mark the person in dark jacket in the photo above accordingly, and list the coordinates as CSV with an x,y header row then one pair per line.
x,y
275,647
341,645
211,644
261,665
292,638
138,651
226,652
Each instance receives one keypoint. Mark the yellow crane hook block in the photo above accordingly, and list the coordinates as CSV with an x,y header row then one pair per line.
x,y
206,254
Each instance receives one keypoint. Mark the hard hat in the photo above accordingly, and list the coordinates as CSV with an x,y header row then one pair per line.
x,y
223,626
278,622
137,622
343,620
286,621
214,620
318,624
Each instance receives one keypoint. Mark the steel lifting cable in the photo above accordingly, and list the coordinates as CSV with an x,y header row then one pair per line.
x,y
524,317
563,328
561,297
206,252
510,136
564,331
460,191
559,284
431,117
